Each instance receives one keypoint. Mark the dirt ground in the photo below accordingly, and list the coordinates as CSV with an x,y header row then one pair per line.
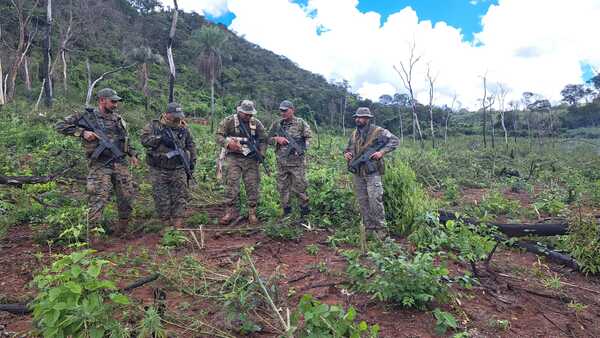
x,y
514,298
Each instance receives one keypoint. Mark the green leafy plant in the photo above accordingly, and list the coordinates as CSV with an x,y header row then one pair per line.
x,y
329,321
390,275
312,249
73,299
444,321
283,231
151,325
174,238
583,242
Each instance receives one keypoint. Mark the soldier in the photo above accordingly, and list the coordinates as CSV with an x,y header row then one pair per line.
x,y
168,172
234,134
290,135
368,187
105,140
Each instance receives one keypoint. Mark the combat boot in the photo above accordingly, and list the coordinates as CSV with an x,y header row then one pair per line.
x,y
229,216
252,219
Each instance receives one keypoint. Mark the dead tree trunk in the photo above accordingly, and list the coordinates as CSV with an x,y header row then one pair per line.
x,y
406,73
483,111
48,56
431,82
170,52
93,84
2,88
26,76
23,44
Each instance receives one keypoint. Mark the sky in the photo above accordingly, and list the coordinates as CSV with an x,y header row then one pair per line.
x,y
521,45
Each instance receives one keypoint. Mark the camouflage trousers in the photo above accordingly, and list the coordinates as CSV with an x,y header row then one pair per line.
x,y
170,192
292,179
369,193
238,168
100,182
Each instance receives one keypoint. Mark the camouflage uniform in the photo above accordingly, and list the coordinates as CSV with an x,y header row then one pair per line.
x,y
291,167
168,176
369,188
103,173
238,166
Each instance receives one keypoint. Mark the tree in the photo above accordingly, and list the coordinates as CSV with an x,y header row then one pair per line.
x,y
143,56
210,40
48,56
170,52
406,74
24,17
502,92
486,103
386,99
431,81
449,111
573,93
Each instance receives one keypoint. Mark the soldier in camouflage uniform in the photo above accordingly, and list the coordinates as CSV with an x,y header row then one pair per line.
x,y
369,187
106,171
167,173
291,165
239,165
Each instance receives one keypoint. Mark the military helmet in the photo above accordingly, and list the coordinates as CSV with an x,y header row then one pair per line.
x,y
363,112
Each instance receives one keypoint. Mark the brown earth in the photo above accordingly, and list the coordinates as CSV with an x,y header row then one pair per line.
x,y
517,289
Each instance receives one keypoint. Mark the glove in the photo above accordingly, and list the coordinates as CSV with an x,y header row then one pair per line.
x,y
166,139
192,166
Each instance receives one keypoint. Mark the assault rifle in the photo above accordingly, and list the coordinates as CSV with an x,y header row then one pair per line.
x,y
365,157
182,154
104,142
297,146
254,152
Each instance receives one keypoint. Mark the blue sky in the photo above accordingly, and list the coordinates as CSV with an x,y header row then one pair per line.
x,y
463,14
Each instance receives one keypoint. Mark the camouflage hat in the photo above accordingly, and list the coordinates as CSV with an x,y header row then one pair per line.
x,y
246,107
285,105
363,112
175,109
109,93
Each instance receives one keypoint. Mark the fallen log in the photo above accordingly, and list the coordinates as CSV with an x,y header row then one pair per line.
x,y
513,229
18,181
23,309
552,255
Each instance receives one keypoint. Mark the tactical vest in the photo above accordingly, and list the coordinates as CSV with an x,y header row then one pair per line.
x,y
116,130
359,147
157,157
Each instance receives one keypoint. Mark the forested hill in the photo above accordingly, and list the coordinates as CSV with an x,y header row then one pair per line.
x,y
106,32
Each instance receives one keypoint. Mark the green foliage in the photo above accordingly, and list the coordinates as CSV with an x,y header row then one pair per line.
x,y
444,321
151,326
390,275
197,219
471,243
403,197
496,204
73,299
173,238
329,321
550,201
331,201
583,243
312,249
283,231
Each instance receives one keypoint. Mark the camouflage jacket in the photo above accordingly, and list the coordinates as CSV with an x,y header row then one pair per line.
x,y
156,150
112,124
359,142
297,129
229,127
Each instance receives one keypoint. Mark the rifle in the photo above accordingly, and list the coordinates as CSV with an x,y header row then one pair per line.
x,y
365,158
293,145
254,153
104,142
182,154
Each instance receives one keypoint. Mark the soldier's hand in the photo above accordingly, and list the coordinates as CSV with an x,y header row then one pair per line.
x,y
89,135
281,140
377,155
234,145
348,156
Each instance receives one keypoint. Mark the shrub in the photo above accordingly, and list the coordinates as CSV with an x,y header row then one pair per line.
x,y
73,300
404,198
329,321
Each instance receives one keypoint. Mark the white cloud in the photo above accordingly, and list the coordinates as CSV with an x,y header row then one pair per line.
x,y
215,8
534,45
